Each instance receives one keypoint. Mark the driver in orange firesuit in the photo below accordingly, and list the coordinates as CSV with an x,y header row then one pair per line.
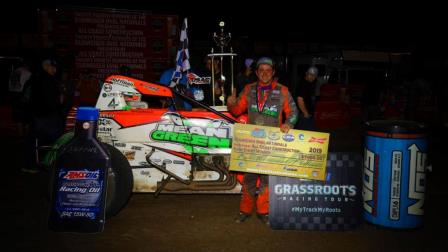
x,y
266,102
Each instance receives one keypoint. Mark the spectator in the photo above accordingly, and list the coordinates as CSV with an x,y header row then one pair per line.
x,y
20,91
305,99
246,76
88,88
182,87
207,89
46,108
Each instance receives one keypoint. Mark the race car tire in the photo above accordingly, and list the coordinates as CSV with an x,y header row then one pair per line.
x,y
120,182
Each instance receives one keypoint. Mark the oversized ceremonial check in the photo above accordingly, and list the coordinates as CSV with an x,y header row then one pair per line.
x,y
266,150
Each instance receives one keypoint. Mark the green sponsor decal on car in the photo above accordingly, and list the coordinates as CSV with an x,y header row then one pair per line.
x,y
191,139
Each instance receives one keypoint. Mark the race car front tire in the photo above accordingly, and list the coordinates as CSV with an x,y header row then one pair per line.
x,y
120,182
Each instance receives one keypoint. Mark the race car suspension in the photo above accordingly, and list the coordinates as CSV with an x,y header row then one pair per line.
x,y
226,181
170,174
202,162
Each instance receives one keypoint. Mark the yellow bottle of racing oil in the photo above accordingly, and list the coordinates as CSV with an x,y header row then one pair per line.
x,y
80,179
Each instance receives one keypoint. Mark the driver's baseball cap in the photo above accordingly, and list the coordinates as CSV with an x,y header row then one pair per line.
x,y
313,71
265,60
49,62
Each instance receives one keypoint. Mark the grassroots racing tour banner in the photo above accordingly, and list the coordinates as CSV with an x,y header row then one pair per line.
x,y
266,150
331,205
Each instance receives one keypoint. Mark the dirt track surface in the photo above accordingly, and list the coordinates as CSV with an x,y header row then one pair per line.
x,y
200,222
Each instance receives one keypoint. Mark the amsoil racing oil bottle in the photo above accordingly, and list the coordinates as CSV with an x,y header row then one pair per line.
x,y
80,179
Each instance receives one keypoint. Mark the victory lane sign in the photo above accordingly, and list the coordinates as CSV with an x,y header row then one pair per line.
x,y
266,150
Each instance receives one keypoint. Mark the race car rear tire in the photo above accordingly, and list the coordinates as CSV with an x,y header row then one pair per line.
x,y
120,182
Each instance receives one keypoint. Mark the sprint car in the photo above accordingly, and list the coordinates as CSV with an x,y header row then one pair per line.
x,y
157,149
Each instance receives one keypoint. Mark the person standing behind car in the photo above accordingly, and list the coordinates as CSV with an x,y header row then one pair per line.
x,y
265,101
88,88
47,122
305,99
207,89
20,94
182,86
247,75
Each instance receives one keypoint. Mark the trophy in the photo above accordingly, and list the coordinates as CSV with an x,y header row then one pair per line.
x,y
222,41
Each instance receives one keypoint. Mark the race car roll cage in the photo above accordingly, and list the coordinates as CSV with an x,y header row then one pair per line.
x,y
174,91
229,181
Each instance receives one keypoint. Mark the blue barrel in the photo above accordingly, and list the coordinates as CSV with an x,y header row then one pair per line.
x,y
394,173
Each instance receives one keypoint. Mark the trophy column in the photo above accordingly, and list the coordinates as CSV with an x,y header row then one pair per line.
x,y
222,41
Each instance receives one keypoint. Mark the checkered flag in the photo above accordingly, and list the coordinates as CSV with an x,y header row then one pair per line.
x,y
183,56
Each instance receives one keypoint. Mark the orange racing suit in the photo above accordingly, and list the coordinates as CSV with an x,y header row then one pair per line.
x,y
265,106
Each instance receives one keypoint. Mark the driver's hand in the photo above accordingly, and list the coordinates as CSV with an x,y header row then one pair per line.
x,y
285,128
231,100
